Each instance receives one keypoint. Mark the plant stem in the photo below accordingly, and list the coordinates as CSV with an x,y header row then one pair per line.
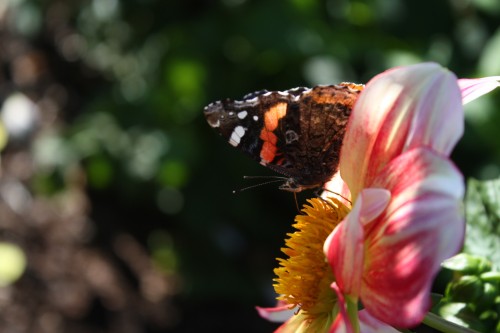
x,y
442,325
352,313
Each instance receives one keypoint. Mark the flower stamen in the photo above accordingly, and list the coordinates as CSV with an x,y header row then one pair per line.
x,y
304,278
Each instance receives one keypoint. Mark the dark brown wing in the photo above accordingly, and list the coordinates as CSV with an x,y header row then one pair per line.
x,y
297,132
317,125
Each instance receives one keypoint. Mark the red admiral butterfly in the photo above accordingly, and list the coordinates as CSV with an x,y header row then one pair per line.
x,y
297,132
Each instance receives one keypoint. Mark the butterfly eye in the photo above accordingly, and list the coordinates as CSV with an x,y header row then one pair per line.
x,y
291,136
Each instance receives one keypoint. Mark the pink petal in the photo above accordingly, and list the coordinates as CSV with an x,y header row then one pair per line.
x,y
400,109
422,226
369,324
283,314
277,314
474,88
296,324
344,246
336,187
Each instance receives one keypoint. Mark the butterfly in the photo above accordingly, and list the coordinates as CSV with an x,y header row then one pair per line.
x,y
297,133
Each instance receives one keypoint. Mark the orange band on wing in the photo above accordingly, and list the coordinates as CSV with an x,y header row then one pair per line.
x,y
268,150
271,120
272,117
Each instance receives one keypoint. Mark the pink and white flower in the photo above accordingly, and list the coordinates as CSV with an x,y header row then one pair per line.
x,y
406,196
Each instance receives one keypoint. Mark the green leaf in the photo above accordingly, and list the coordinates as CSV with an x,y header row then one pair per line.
x,y
467,289
482,211
460,314
467,264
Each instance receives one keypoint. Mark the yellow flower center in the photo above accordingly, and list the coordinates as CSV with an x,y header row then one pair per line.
x,y
304,278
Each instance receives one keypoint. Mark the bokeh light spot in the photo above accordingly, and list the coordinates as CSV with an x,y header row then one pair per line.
x,y
99,172
186,76
359,13
173,173
324,70
489,63
13,263
237,49
170,200
161,245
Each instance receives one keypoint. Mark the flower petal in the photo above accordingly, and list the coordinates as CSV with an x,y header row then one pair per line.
x,y
370,324
277,314
281,313
344,246
400,109
474,88
336,185
422,226
296,324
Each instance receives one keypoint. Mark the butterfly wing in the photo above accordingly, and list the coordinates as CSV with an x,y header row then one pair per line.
x,y
297,132
250,123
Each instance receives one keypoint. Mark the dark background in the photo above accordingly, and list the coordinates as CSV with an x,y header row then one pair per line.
x,y
117,192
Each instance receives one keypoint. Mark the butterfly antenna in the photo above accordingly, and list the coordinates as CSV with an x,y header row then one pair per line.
x,y
339,195
257,185
296,201
265,177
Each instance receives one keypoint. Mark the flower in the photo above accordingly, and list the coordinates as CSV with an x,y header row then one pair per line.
x,y
304,278
406,215
397,234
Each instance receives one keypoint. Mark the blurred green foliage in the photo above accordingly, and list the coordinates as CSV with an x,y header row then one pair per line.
x,y
472,297
144,69
482,213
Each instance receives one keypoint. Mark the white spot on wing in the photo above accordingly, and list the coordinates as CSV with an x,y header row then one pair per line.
x,y
252,102
236,136
255,118
242,114
299,96
240,131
